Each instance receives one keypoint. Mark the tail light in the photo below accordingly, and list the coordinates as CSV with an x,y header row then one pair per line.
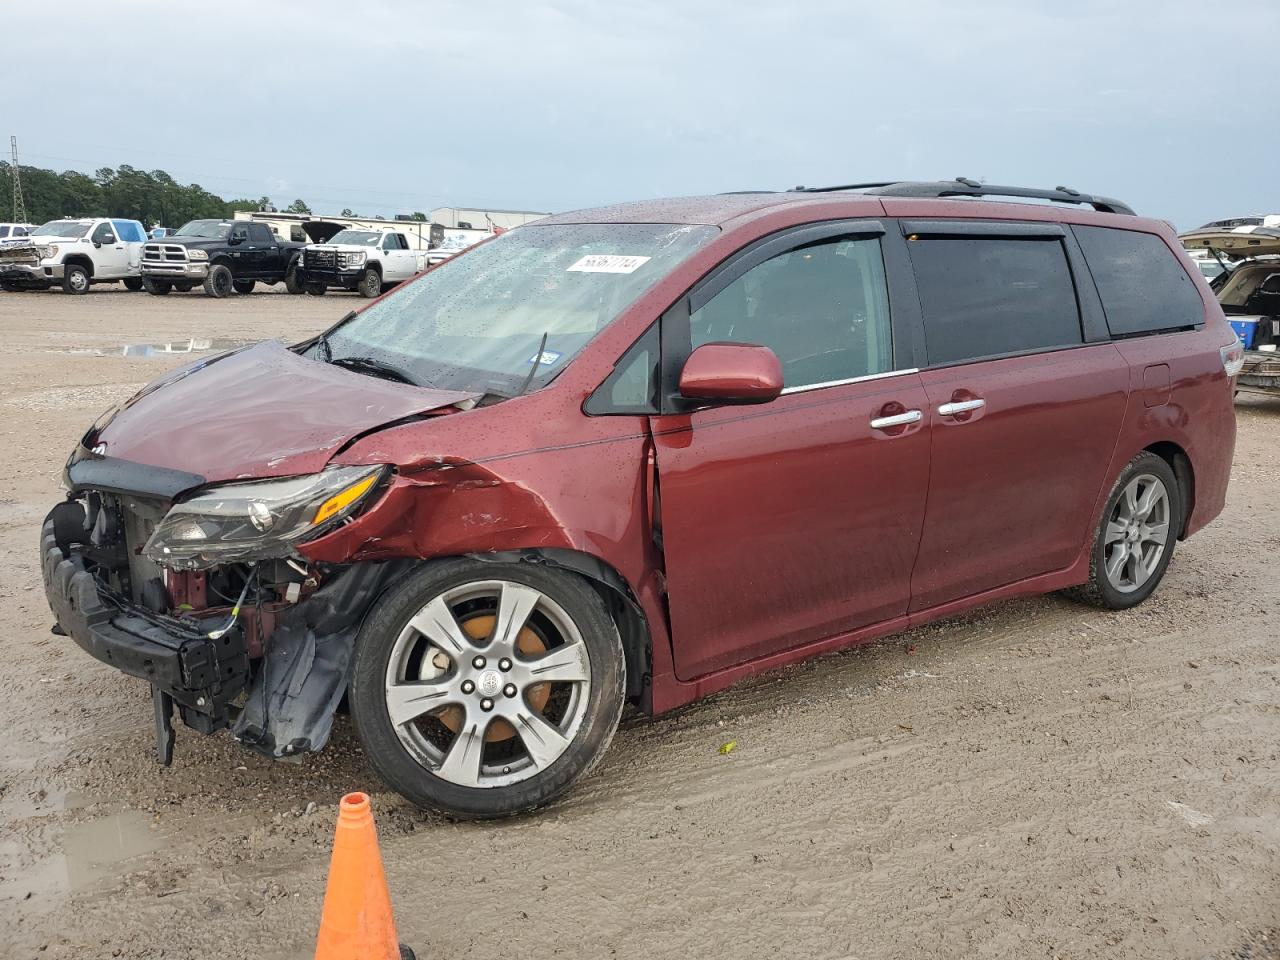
x,y
1233,357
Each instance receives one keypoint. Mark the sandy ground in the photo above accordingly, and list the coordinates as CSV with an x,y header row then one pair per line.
x,y
1037,780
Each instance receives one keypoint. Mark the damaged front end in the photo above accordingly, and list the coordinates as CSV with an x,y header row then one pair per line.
x,y
205,597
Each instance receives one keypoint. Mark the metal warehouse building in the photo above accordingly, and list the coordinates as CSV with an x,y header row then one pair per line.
x,y
459,217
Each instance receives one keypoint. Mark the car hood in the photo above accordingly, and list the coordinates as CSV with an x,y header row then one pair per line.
x,y
1249,241
261,411
192,241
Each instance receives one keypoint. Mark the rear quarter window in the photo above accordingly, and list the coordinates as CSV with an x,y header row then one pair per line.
x,y
989,297
1140,281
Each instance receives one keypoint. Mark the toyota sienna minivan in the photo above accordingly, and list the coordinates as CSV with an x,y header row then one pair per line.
x,y
637,454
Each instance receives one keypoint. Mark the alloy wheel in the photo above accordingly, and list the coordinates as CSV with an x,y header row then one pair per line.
x,y
1137,533
488,683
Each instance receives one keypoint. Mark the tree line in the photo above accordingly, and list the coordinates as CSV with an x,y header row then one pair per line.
x,y
152,197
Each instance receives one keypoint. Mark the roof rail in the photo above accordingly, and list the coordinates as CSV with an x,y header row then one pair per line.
x,y
964,187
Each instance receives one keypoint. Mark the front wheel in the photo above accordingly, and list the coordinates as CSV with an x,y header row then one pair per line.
x,y
219,283
1136,535
158,288
370,283
75,279
292,283
486,689
133,283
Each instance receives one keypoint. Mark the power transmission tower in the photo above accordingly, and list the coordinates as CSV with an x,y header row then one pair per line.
x,y
19,208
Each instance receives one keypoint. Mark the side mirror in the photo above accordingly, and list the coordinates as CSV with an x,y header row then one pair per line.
x,y
731,373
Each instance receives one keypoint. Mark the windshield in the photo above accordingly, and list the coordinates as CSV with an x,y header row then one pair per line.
x,y
210,229
71,229
362,238
518,308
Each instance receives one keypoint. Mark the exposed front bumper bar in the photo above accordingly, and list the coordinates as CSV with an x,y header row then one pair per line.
x,y
31,273
175,270
201,675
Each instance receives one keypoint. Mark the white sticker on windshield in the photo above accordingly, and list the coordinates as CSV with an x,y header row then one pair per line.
x,y
546,358
608,263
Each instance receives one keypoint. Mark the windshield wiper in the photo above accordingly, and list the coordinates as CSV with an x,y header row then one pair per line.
x,y
324,350
376,367
537,360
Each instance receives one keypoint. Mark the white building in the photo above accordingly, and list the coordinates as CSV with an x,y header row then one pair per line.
x,y
476,219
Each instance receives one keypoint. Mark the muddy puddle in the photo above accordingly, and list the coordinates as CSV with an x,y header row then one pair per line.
x,y
82,855
157,350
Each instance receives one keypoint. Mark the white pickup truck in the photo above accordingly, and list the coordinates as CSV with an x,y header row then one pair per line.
x,y
363,260
74,253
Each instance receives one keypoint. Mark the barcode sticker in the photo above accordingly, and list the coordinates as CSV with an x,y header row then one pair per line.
x,y
608,263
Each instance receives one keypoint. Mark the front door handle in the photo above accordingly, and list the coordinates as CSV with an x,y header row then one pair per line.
x,y
960,406
897,420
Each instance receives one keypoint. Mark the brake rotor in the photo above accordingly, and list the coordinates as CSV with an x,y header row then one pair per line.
x,y
480,627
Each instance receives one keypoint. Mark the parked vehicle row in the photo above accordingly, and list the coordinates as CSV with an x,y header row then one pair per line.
x,y
224,257
637,454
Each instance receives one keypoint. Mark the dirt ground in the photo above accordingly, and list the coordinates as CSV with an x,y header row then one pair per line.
x,y
1036,780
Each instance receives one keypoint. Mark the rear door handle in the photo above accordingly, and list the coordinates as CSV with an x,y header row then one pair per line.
x,y
897,420
960,406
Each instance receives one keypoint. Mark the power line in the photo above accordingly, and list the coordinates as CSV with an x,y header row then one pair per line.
x,y
19,208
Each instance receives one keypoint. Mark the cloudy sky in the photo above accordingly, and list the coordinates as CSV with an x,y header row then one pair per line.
x,y
388,106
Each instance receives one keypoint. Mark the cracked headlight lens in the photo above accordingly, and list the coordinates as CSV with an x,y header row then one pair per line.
x,y
259,520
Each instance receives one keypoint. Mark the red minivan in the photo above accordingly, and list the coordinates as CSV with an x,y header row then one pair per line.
x,y
638,453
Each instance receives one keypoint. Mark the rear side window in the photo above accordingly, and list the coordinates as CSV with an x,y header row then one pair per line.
x,y
1142,285
260,233
987,296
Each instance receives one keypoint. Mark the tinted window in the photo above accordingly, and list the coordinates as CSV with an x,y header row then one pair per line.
x,y
823,309
983,297
296,233
20,231
1142,285
261,233
102,234
240,233
4,231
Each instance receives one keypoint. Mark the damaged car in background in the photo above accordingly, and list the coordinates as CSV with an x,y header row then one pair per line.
x,y
1247,252
636,455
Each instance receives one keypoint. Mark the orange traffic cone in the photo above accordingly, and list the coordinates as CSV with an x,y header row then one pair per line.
x,y
356,923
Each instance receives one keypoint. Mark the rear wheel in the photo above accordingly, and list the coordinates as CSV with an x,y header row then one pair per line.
x,y
370,283
486,689
1136,535
243,286
219,283
75,279
133,283
157,287
291,282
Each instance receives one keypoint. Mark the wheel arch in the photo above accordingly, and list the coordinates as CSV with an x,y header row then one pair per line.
x,y
80,260
1178,460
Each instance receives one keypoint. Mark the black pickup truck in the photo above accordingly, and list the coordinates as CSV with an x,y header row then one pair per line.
x,y
226,256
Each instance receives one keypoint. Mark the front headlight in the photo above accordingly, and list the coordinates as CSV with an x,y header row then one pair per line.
x,y
263,519
352,258
197,254
48,251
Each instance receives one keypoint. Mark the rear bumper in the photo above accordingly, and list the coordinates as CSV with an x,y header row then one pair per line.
x,y
201,675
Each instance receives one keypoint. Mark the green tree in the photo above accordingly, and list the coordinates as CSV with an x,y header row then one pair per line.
x,y
298,206
420,217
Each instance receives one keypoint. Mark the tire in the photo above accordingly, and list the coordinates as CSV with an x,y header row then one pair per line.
x,y
243,286
370,283
9,287
291,282
76,279
1122,575
570,722
315,289
183,286
158,288
133,283
219,283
